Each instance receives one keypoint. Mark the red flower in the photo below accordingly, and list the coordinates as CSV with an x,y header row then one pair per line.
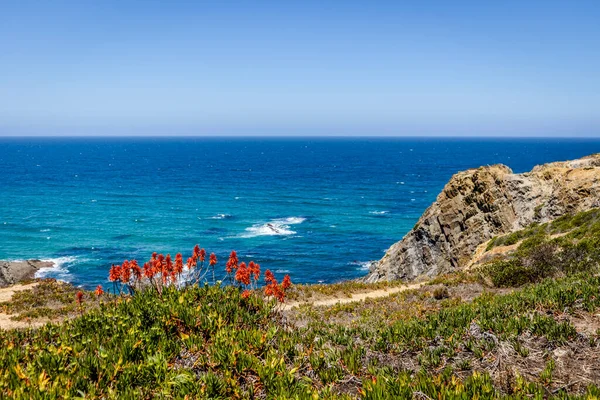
x,y
190,263
254,270
136,270
178,263
99,292
242,274
169,263
287,282
148,270
79,297
202,255
125,272
115,273
246,294
232,263
213,259
269,277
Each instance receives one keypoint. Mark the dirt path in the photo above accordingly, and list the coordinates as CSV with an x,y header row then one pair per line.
x,y
374,294
6,294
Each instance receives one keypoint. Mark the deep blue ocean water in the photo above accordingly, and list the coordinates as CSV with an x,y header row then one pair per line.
x,y
332,204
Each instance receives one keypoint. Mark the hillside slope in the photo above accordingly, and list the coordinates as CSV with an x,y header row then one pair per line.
x,y
481,203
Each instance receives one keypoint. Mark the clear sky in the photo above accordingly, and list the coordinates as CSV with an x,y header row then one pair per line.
x,y
300,67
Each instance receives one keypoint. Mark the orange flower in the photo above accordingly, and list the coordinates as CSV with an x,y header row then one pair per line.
x,y
115,273
136,270
246,294
169,263
148,270
287,282
125,272
254,270
79,297
213,259
99,292
232,263
178,263
269,277
242,274
202,255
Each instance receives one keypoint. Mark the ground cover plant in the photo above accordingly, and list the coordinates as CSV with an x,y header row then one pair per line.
x,y
158,335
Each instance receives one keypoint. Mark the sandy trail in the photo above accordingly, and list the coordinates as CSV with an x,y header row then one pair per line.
x,y
6,294
374,294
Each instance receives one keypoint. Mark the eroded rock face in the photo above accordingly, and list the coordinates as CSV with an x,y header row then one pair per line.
x,y
478,204
12,272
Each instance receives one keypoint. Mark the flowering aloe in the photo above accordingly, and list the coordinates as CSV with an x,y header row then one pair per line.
x,y
160,271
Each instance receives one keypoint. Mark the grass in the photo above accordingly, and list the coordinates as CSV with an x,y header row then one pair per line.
x,y
208,342
341,289
48,299
577,225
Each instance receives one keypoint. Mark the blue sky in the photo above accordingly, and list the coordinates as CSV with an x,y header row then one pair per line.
x,y
86,67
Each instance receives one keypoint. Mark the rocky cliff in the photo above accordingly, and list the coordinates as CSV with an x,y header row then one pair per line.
x,y
481,203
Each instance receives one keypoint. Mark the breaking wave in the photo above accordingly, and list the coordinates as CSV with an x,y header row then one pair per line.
x,y
59,270
275,227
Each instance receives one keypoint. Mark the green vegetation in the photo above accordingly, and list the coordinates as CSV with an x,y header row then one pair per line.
x,y
455,338
578,225
209,342
48,299
568,245
341,289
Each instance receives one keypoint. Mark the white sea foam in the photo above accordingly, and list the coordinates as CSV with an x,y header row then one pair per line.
x,y
362,265
59,270
44,230
220,216
275,227
379,212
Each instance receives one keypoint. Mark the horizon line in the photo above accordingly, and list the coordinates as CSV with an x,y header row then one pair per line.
x,y
233,136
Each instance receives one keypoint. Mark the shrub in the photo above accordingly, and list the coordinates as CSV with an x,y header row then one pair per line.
x,y
440,293
508,273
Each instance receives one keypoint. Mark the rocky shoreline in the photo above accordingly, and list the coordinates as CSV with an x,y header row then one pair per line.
x,y
478,204
13,272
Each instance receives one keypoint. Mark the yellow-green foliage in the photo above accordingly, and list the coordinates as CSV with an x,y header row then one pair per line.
x,y
578,225
574,249
208,342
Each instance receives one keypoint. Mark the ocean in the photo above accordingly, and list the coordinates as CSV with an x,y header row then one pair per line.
x,y
317,209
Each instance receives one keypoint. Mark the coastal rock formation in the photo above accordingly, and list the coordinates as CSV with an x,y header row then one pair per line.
x,y
478,204
12,272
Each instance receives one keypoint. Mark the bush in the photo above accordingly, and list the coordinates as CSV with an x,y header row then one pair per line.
x,y
508,273
440,293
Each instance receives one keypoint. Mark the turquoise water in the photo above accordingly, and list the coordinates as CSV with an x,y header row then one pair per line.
x,y
317,209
